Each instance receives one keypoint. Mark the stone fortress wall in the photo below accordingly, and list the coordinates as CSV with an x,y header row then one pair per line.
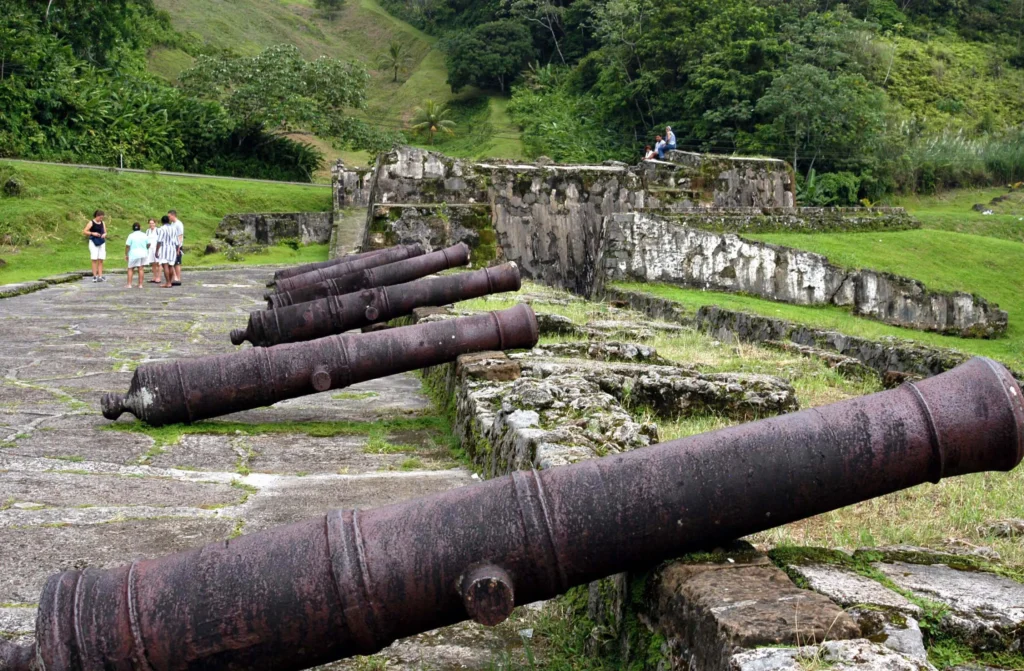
x,y
580,226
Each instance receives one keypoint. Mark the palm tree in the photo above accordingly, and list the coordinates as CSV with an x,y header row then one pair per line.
x,y
433,118
396,58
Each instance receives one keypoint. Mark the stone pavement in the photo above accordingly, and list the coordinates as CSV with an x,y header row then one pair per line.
x,y
74,493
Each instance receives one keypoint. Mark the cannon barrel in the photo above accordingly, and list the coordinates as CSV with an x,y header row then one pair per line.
x,y
195,389
352,581
285,273
386,256
337,314
381,276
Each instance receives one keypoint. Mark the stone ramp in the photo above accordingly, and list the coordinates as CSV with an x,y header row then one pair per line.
x,y
74,492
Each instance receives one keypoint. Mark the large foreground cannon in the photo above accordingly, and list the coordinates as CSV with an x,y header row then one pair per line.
x,y
337,314
384,257
398,272
352,581
210,386
285,273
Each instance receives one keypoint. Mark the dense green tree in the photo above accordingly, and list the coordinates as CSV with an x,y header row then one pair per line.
x,y
489,56
280,90
815,115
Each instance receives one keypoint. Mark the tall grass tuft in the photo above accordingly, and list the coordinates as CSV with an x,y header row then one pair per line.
x,y
952,159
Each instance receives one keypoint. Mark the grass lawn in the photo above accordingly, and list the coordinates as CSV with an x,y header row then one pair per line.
x,y
952,211
40,231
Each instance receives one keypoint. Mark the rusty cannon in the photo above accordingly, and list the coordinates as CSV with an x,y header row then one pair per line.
x,y
398,272
353,581
384,257
285,273
195,389
337,314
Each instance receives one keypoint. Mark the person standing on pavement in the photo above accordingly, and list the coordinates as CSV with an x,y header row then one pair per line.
x,y
96,232
151,236
136,249
179,233
166,250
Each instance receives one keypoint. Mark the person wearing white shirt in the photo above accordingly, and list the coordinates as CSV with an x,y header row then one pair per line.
x,y
136,249
668,144
179,234
152,235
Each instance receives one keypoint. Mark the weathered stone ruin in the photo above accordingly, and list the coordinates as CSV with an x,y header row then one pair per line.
x,y
580,227
239,230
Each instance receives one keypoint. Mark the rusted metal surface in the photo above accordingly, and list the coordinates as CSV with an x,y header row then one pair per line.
x,y
381,276
386,256
285,273
352,581
195,389
337,314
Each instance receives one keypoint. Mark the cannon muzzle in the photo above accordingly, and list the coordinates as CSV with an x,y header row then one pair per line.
x,y
393,273
194,389
285,273
353,581
316,276
337,314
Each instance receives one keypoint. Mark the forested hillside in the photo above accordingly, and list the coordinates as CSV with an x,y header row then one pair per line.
x,y
74,86
864,98
867,97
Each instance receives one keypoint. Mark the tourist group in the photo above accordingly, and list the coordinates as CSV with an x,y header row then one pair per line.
x,y
159,247
661,145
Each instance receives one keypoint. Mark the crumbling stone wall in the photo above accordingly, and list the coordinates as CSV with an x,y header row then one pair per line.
x,y
892,359
270,228
724,181
796,220
435,227
351,185
646,248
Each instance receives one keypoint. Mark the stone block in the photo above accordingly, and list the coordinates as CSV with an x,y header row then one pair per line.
x,y
848,588
884,616
852,655
986,611
488,366
709,611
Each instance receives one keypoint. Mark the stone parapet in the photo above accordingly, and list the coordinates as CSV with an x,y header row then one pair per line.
x,y
645,248
796,219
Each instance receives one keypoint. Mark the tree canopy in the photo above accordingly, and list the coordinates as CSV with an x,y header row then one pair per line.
x,y
489,56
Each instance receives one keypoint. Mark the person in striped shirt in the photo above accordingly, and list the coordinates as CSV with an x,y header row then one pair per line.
x,y
166,250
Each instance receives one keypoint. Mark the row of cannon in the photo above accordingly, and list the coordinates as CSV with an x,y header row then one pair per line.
x,y
350,582
302,345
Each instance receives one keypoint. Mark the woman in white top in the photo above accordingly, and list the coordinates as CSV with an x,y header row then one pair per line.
x,y
152,234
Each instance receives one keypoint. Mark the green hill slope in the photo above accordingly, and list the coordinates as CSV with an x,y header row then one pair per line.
x,y
361,31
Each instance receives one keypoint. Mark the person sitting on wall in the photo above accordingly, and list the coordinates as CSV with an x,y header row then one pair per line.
x,y
649,153
669,143
659,146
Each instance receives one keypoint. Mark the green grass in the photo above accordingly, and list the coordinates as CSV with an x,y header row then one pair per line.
x,y
45,223
952,211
